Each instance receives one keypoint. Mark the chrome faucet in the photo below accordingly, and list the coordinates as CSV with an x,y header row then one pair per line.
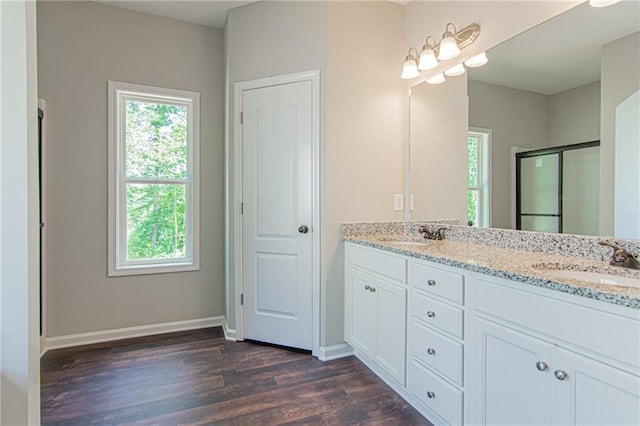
x,y
621,257
430,234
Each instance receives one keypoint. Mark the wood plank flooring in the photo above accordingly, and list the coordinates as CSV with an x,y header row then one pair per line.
x,y
197,377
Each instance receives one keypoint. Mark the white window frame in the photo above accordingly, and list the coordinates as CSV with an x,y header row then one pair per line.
x,y
484,176
118,265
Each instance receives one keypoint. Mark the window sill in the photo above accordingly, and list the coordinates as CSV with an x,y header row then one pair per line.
x,y
152,269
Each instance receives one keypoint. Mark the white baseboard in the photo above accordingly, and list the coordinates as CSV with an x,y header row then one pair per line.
x,y
229,333
327,353
129,332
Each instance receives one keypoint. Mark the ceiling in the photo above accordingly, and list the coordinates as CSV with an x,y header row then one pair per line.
x,y
561,53
211,13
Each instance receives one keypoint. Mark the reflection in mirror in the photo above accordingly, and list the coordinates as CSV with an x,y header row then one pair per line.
x,y
557,84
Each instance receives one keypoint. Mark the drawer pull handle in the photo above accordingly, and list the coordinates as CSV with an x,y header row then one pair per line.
x,y
431,351
560,375
542,366
431,314
431,395
431,283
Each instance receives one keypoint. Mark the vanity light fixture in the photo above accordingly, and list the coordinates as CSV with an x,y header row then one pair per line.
x,y
410,67
602,3
477,61
428,58
436,79
448,46
455,70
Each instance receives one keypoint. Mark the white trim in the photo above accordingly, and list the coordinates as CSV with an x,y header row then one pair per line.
x,y
117,265
42,104
129,332
328,353
486,173
229,333
314,77
514,150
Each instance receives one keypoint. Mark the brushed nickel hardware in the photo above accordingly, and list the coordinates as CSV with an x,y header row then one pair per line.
x,y
372,289
621,257
431,351
431,314
303,229
431,395
542,366
367,287
431,283
560,375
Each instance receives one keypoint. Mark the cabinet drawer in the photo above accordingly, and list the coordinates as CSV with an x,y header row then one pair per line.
x,y
436,394
437,314
601,332
439,282
438,352
373,260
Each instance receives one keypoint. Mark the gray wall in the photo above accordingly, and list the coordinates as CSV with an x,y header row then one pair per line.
x,y
81,45
574,115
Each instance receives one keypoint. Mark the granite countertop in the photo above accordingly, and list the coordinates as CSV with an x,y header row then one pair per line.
x,y
516,265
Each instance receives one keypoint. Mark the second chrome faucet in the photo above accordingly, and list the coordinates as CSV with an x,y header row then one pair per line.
x,y
430,233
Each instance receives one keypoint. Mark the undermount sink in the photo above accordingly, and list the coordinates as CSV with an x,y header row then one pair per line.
x,y
593,274
406,242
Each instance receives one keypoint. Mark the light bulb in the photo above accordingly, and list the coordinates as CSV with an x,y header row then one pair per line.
x,y
448,47
477,61
436,79
455,70
428,59
410,68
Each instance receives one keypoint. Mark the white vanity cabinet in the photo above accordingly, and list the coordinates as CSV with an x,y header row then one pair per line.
x,y
468,348
376,307
541,358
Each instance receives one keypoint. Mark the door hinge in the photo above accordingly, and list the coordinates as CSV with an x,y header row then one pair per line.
x,y
241,299
241,117
241,208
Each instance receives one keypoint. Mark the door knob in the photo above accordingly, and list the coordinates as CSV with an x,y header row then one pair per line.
x,y
303,229
542,366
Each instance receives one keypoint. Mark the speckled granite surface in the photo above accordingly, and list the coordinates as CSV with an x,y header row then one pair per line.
x,y
516,259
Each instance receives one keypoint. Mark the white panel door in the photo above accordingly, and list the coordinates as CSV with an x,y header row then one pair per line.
x,y
276,227
513,377
391,328
590,392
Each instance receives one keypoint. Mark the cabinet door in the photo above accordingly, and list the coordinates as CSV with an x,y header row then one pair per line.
x,y
360,311
510,385
590,392
391,328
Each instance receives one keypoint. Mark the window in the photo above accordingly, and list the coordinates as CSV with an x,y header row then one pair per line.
x,y
478,193
153,179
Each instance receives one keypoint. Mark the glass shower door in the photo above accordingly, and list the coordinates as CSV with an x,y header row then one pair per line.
x,y
539,193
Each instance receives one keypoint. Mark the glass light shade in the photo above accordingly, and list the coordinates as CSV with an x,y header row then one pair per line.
x,y
602,3
477,61
436,79
428,60
448,48
409,69
455,70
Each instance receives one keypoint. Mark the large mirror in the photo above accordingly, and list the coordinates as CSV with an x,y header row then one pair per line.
x,y
550,115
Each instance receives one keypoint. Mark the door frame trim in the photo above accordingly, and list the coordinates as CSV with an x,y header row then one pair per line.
x,y
239,88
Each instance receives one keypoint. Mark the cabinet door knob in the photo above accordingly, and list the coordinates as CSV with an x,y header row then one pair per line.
x,y
542,366
431,314
431,351
366,287
431,283
431,395
560,375
372,289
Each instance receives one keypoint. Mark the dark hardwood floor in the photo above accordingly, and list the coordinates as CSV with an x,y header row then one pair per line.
x,y
196,377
